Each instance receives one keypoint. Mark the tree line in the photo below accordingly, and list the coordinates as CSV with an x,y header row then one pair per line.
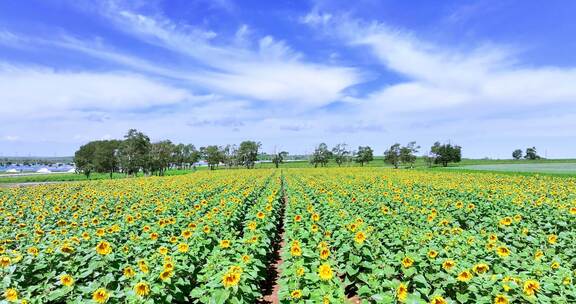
x,y
136,153
396,155
530,154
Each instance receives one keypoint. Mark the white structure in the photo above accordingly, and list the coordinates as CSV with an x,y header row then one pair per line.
x,y
43,170
11,171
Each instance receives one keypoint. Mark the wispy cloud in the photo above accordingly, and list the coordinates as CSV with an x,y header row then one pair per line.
x,y
442,76
41,90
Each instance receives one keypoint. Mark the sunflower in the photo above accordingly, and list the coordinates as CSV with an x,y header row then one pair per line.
x,y
296,294
163,250
300,271
100,295
260,215
501,299
5,261
142,289
448,265
507,221
538,255
407,262
66,248
295,250
186,233
183,247
360,237
555,265
252,225
552,239
245,258
225,244
503,251
143,266
432,254
464,276
33,251
481,268
402,292
128,272
324,253
165,274
66,280
103,248
438,300
230,279
531,287
297,218
11,295
325,272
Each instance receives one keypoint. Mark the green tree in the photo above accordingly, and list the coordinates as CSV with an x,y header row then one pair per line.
x,y
279,158
446,153
321,155
84,158
134,152
161,155
364,155
340,154
392,155
230,153
408,153
517,154
531,154
213,155
106,156
248,153
194,156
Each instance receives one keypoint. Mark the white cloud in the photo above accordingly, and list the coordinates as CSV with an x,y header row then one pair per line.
x,y
272,72
440,76
35,90
9,138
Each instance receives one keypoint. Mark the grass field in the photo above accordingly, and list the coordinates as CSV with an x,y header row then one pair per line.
x,y
568,168
558,167
66,177
370,234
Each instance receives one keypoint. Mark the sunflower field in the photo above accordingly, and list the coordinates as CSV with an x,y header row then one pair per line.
x,y
368,235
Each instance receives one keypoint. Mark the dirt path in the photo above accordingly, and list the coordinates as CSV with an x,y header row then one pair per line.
x,y
272,286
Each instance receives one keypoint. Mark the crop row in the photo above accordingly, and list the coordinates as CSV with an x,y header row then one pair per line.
x,y
180,239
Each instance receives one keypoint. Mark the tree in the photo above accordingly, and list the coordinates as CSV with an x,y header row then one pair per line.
x,y
213,155
517,154
321,155
531,154
364,155
445,153
84,158
134,152
408,153
106,156
194,156
230,153
279,158
340,154
392,155
248,153
161,155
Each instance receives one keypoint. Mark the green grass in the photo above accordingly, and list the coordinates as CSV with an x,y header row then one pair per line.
x,y
377,162
68,177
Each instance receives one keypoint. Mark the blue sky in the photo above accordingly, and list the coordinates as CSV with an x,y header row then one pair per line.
x,y
491,75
